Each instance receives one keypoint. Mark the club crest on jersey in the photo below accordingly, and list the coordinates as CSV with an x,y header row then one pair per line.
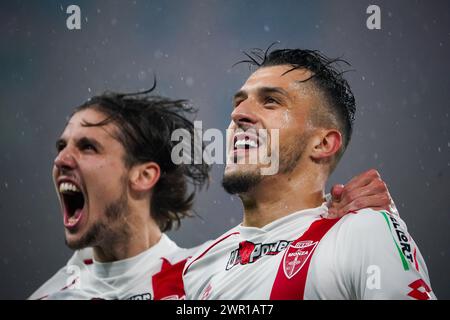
x,y
296,256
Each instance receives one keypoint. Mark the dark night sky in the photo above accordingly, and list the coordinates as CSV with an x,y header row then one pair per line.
x,y
400,82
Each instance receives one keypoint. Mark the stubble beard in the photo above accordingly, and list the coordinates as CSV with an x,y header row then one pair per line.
x,y
107,231
242,182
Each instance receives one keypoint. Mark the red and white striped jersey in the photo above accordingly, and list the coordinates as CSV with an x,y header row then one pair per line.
x,y
366,255
153,274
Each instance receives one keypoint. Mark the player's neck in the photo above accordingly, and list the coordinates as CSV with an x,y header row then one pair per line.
x,y
140,234
280,195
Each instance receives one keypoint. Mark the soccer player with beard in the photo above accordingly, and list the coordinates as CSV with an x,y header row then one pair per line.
x,y
285,248
120,191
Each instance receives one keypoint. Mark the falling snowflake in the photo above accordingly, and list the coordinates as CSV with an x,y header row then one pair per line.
x,y
189,81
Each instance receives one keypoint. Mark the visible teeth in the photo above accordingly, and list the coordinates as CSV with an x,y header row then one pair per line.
x,y
68,187
244,142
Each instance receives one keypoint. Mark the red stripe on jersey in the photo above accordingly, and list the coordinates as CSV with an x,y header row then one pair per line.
x,y
168,283
70,284
290,281
415,259
209,248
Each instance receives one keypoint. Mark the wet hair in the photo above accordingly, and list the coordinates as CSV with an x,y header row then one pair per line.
x,y
145,123
327,76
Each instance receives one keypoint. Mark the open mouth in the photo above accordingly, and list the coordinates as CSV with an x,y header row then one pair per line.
x,y
245,141
73,203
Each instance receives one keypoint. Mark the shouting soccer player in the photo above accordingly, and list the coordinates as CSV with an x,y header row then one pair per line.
x,y
285,248
119,191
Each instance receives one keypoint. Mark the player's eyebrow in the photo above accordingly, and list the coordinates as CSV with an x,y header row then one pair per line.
x,y
60,142
241,94
86,140
272,90
261,93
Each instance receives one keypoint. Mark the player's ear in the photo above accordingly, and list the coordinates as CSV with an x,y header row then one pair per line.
x,y
144,176
325,143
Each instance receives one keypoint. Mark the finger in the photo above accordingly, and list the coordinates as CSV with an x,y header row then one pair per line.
x,y
362,180
376,187
372,201
332,211
336,192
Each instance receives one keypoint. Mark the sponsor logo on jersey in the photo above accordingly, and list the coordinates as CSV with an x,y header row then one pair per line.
x,y
296,256
402,242
420,290
142,296
249,252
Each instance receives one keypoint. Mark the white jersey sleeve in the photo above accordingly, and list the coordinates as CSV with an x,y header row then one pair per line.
x,y
155,274
55,283
383,261
63,278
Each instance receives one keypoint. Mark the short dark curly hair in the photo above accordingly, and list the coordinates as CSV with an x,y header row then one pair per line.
x,y
145,124
326,75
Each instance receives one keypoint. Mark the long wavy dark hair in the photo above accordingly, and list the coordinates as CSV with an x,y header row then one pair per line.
x,y
146,122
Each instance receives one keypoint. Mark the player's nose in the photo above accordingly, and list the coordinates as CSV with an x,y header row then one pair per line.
x,y
244,115
65,159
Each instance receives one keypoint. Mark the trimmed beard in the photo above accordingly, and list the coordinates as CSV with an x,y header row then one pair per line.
x,y
238,182
242,182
